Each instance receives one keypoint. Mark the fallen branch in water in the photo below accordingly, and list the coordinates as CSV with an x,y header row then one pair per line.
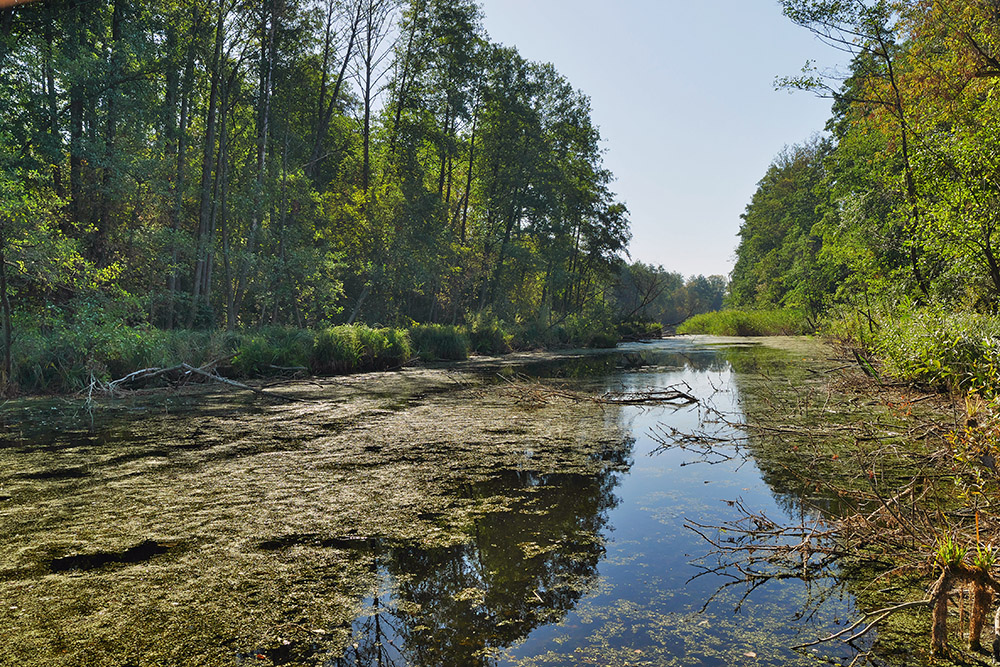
x,y
184,371
533,391
878,615
233,383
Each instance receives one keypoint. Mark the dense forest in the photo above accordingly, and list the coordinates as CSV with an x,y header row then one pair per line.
x,y
218,165
889,224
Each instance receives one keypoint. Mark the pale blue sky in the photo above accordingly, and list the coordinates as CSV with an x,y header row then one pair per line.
x,y
683,93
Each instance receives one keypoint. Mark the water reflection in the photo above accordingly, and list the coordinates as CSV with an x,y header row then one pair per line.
x,y
457,529
521,568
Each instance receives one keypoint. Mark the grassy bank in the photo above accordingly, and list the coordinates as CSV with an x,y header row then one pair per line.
x,y
749,323
935,346
67,359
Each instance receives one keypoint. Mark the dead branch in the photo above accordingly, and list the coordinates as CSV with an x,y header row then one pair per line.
x,y
233,383
878,615
184,371
534,391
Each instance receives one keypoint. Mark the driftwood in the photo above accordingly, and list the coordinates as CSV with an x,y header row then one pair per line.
x,y
184,371
536,392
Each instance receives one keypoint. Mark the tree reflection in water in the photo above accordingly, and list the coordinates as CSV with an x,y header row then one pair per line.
x,y
523,566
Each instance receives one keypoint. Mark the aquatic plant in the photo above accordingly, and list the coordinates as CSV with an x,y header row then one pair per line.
x,y
949,552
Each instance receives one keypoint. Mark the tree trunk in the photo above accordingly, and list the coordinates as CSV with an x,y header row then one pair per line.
x,y
208,158
982,599
56,156
6,371
939,612
326,112
102,239
468,178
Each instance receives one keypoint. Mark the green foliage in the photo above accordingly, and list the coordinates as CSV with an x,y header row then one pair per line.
x,y
779,262
452,176
645,292
780,322
352,348
488,336
985,558
66,359
639,330
949,552
272,350
439,342
936,346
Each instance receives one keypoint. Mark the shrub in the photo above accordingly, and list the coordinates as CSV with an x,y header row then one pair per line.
x,y
639,330
398,350
781,322
439,341
336,350
272,350
947,350
353,348
488,336
602,339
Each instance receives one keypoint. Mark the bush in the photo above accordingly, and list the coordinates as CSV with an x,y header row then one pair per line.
x,y
488,336
336,350
398,350
639,330
273,350
354,348
783,322
946,350
439,341
602,339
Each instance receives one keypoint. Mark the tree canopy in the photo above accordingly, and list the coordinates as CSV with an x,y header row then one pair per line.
x,y
203,163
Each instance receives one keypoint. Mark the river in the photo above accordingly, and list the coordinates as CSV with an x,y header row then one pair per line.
x,y
443,515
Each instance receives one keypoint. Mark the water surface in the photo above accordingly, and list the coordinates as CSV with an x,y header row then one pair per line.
x,y
437,516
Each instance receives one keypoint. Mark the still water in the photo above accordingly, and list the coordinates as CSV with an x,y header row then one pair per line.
x,y
446,516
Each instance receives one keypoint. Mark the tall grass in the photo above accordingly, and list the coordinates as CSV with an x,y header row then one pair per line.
x,y
355,348
439,341
781,322
943,349
66,359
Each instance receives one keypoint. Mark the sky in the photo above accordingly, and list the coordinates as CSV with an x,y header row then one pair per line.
x,y
683,93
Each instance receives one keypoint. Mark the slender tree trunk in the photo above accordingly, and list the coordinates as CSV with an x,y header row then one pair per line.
x,y
326,113
173,280
55,135
912,197
991,259
102,239
266,73
227,263
468,177
444,149
367,98
6,371
404,78
208,158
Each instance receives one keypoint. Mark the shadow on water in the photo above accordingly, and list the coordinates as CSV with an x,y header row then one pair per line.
x,y
140,553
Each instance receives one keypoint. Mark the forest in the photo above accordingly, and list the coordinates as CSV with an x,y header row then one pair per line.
x,y
887,227
229,166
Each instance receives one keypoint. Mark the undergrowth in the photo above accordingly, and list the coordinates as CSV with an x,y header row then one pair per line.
x,y
938,347
64,358
780,322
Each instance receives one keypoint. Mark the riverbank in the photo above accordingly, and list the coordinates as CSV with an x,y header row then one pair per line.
x,y
453,493
79,359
